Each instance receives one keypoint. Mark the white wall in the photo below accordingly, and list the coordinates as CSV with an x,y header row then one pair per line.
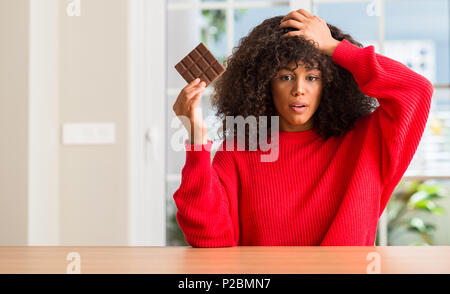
x,y
56,69
13,121
93,71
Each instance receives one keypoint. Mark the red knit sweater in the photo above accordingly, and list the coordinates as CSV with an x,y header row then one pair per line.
x,y
317,192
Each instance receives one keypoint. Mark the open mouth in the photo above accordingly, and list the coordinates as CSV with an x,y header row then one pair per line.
x,y
298,108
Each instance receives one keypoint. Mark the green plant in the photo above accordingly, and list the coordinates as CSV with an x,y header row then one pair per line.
x,y
411,202
175,236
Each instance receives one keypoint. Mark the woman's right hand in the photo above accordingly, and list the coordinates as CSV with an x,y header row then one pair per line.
x,y
187,108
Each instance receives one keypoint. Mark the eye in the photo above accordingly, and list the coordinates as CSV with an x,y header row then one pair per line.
x,y
285,78
289,77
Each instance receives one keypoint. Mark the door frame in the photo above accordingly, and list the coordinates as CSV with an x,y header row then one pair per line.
x,y
147,122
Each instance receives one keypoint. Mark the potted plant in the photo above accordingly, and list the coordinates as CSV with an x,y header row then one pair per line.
x,y
411,203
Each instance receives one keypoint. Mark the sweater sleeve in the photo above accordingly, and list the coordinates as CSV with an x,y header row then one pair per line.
x,y
206,200
395,128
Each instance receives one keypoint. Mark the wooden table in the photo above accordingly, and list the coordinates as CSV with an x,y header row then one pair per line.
x,y
231,260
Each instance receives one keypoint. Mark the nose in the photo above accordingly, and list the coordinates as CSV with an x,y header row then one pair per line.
x,y
298,89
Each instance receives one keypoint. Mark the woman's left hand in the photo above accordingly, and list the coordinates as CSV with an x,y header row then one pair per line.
x,y
311,27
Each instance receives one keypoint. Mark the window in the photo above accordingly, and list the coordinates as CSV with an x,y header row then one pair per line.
x,y
424,46
421,45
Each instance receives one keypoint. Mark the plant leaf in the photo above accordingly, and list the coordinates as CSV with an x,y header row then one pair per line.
x,y
427,205
416,197
430,189
430,227
418,244
418,224
438,210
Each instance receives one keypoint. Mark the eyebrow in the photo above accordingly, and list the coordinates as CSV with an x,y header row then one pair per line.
x,y
308,68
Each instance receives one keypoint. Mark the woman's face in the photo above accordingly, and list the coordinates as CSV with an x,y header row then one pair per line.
x,y
300,86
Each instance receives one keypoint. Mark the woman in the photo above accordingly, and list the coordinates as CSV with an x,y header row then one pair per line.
x,y
340,158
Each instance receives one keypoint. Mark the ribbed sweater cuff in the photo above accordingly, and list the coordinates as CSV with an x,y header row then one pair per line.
x,y
197,153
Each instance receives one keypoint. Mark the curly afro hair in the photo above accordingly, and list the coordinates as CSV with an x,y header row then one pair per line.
x,y
245,88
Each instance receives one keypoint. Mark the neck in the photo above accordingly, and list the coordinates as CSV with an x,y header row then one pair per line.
x,y
285,127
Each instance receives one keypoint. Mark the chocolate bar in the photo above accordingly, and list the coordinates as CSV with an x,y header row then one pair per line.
x,y
200,63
